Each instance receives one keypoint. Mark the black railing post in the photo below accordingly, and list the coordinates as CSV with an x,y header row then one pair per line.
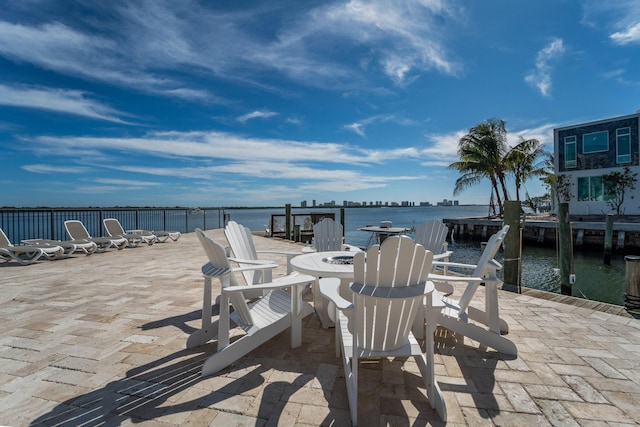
x,y
52,225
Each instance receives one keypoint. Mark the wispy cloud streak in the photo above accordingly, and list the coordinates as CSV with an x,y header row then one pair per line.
x,y
58,100
540,77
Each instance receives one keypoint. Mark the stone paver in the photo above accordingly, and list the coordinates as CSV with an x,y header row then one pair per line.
x,y
100,340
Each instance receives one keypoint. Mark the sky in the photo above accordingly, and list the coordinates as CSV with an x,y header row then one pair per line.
x,y
264,103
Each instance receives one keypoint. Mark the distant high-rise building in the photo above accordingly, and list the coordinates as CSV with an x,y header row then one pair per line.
x,y
303,204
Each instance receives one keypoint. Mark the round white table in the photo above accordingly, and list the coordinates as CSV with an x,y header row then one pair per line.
x,y
325,264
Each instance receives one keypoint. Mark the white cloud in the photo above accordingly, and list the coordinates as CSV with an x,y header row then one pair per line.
x,y
50,169
629,35
540,77
256,115
59,100
403,37
126,182
543,133
357,128
149,45
212,156
212,145
445,147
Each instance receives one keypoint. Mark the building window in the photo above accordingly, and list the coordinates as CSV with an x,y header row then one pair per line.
x,y
595,142
570,152
623,145
592,189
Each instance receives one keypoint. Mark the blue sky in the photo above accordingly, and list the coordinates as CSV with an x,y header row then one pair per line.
x,y
253,103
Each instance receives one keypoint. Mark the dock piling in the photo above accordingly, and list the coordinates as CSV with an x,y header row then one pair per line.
x,y
564,247
632,277
512,243
608,239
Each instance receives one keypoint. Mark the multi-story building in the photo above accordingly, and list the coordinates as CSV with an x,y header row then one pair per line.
x,y
585,152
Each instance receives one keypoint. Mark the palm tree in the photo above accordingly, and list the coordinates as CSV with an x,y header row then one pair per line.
x,y
482,153
525,160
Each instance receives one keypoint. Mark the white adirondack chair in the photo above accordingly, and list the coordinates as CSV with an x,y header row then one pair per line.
x,y
327,236
261,320
457,313
245,254
433,236
389,290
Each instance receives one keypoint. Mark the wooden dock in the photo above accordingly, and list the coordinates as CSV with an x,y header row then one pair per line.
x,y
587,232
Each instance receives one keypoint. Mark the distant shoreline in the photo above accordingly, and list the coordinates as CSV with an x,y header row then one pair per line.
x,y
231,207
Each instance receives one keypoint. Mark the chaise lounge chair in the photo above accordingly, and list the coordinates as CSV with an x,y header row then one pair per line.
x,y
114,229
26,254
69,246
162,235
77,231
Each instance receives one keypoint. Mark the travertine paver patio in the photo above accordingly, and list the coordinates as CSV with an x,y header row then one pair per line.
x,y
100,340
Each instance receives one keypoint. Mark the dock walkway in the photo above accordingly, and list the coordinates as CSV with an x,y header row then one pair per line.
x,y
587,231
100,340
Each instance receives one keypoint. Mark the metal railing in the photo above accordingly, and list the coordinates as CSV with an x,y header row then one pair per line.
x,y
48,223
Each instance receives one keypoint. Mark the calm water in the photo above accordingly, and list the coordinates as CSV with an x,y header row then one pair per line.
x,y
594,280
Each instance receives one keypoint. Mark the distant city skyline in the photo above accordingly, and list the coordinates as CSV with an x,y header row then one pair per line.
x,y
227,103
352,203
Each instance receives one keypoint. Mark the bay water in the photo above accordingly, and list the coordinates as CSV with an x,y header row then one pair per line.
x,y
594,280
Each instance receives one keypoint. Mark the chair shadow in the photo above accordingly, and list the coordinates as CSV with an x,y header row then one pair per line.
x,y
151,391
477,364
180,321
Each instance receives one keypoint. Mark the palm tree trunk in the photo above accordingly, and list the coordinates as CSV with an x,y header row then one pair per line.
x,y
504,187
494,183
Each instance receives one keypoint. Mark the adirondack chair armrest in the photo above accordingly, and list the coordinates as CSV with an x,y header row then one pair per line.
x,y
448,278
254,267
256,262
287,253
211,271
453,264
284,282
330,288
495,264
436,300
443,255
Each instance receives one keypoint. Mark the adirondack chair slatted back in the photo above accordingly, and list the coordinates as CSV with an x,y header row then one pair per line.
x,y
76,230
219,261
113,227
482,269
327,235
241,242
388,289
432,235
